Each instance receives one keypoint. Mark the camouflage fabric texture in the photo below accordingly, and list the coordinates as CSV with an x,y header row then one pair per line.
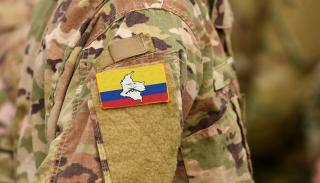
x,y
15,17
65,136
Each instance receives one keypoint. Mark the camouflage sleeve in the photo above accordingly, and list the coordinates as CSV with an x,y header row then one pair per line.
x,y
123,89
140,116
200,122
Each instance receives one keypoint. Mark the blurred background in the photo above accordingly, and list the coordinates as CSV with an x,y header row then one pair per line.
x,y
277,52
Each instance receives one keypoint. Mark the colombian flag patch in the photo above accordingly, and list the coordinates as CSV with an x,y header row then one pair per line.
x,y
126,87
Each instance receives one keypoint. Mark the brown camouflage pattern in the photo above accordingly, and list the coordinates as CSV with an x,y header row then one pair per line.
x,y
15,17
61,126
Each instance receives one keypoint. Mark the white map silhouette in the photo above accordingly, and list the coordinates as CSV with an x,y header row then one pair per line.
x,y
132,88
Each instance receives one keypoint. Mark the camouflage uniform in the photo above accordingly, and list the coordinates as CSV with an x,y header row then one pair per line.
x,y
66,136
14,20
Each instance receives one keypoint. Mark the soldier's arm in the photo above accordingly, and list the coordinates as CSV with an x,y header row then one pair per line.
x,y
143,135
200,120
139,84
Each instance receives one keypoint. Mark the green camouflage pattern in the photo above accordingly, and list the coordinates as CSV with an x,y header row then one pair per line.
x,y
14,27
60,123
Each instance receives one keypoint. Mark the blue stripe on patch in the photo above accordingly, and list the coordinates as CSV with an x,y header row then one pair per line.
x,y
150,89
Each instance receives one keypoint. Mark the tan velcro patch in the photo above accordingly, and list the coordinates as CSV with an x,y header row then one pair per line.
x,y
129,47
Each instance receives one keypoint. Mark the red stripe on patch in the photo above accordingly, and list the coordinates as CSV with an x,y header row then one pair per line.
x,y
128,102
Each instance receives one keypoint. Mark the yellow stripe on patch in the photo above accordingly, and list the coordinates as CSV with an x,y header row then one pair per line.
x,y
151,74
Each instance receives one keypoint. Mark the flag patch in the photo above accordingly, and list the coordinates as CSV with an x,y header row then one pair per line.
x,y
126,87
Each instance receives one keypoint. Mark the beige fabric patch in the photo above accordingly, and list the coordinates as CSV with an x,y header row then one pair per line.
x,y
142,142
129,47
